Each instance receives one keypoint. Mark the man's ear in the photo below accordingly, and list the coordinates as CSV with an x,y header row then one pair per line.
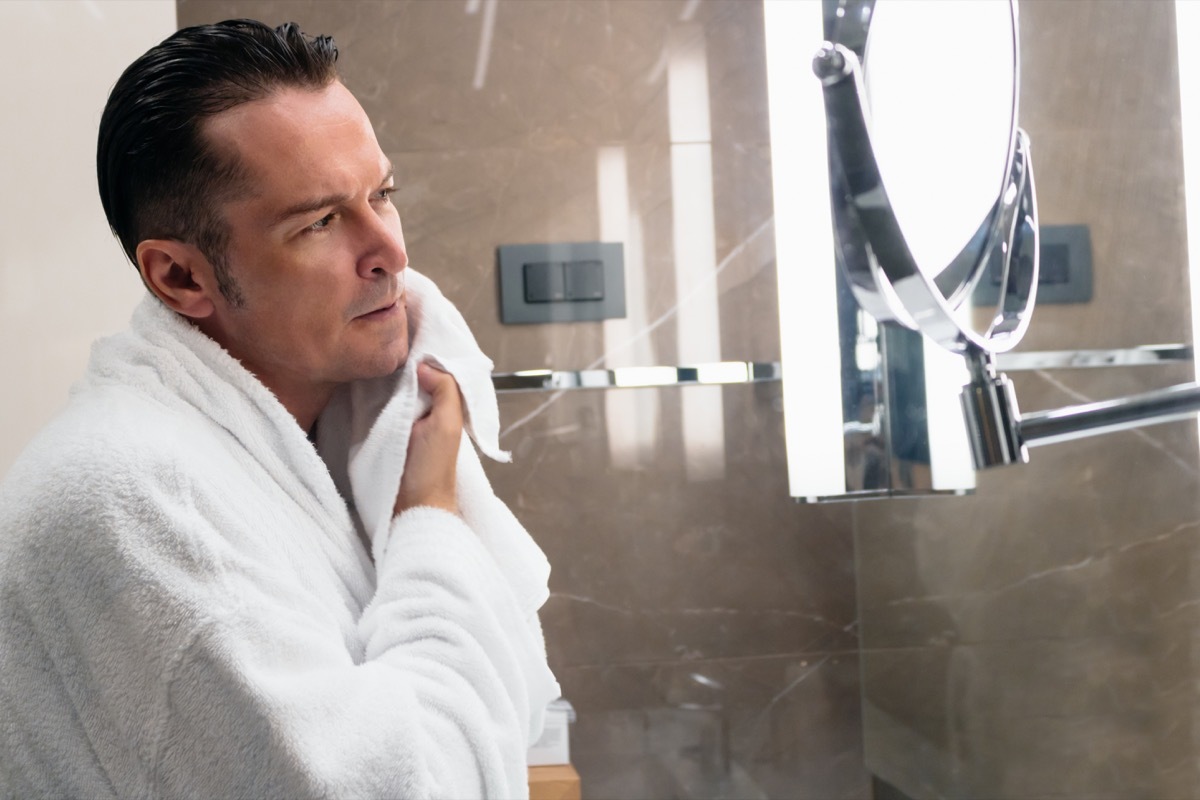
x,y
179,275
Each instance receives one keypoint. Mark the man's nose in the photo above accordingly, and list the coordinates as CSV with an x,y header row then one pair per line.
x,y
383,247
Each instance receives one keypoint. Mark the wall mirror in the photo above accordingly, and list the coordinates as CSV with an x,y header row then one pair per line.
x,y
931,175
930,182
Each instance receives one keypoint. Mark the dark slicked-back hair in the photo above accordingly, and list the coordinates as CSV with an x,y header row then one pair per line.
x,y
159,176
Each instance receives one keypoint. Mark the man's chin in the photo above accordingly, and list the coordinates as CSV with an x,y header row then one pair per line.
x,y
377,365
392,363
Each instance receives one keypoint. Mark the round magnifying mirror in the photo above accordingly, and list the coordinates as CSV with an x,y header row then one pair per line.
x,y
941,84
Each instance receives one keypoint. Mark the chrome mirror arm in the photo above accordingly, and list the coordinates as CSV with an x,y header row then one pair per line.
x,y
989,404
1108,416
1000,434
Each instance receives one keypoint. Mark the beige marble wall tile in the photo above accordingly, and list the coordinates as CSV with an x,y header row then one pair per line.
x,y
719,729
657,568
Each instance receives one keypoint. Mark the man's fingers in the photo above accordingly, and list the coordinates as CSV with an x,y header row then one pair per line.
x,y
442,389
434,381
427,375
430,474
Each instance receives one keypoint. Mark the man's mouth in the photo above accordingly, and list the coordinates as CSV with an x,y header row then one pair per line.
x,y
383,311
392,301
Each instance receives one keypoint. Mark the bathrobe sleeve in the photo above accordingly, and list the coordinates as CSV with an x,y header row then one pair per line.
x,y
266,700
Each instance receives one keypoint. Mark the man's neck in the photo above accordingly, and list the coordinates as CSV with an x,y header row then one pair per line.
x,y
304,405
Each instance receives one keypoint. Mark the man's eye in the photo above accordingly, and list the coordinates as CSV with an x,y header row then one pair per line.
x,y
385,193
322,223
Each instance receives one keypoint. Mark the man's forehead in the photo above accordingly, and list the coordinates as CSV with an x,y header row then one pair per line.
x,y
309,140
292,123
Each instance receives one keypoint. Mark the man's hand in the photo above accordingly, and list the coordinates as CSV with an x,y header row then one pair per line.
x,y
430,471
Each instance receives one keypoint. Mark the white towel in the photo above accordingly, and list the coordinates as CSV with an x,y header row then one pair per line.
x,y
368,424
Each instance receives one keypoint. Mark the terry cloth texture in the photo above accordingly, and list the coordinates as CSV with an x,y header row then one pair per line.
x,y
187,608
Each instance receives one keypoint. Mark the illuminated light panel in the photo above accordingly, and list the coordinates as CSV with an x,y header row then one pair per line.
x,y
1187,26
804,246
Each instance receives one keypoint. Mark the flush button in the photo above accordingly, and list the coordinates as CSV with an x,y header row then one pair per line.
x,y
561,282
545,282
584,280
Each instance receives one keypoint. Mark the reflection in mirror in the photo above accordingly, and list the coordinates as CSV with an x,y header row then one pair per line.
x,y
930,173
939,81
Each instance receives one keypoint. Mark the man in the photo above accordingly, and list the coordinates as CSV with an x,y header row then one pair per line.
x,y
244,562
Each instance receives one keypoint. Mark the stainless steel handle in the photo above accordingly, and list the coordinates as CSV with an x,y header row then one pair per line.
x,y
1078,359
728,372
1107,416
723,372
1037,428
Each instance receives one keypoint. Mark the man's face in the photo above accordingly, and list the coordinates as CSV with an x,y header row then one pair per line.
x,y
315,249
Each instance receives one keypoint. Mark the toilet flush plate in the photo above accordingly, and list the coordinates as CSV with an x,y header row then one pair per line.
x,y
561,282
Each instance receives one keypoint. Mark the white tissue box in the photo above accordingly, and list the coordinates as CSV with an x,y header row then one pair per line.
x,y
554,745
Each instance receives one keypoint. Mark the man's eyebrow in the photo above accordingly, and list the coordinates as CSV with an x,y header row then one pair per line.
x,y
309,206
326,201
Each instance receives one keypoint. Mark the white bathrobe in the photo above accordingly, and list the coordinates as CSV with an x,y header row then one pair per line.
x,y
187,608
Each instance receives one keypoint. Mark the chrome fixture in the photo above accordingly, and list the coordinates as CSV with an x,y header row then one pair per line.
x,y
874,252
869,404
724,372
1089,359
735,372
899,289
